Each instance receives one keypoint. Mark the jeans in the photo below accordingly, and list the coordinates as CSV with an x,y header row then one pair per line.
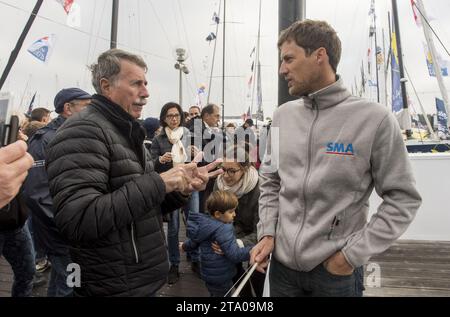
x,y
17,248
39,252
173,227
192,207
285,282
57,286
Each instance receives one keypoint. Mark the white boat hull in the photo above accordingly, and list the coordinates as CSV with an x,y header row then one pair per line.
x,y
432,173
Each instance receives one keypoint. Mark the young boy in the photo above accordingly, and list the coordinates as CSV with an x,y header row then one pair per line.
x,y
216,270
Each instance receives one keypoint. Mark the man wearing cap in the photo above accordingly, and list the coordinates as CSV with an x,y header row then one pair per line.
x,y
47,238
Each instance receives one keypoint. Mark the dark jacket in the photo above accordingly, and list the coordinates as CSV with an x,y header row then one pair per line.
x,y
13,215
204,230
247,216
205,140
245,135
161,145
107,202
37,195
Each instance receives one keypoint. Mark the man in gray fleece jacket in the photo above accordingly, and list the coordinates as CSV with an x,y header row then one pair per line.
x,y
317,176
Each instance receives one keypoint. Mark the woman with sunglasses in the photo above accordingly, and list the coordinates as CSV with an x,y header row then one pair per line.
x,y
241,178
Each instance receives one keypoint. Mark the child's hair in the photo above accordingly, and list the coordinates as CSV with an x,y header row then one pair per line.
x,y
221,201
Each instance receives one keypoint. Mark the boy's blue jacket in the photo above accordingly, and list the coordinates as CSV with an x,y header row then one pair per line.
x,y
204,230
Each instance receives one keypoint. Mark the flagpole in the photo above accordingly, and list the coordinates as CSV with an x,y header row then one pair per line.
x,y
114,20
376,49
400,65
214,57
258,68
289,11
25,91
19,44
432,48
223,68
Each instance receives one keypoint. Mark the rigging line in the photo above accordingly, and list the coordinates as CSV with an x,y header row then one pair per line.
x,y
234,66
86,70
431,28
214,56
25,90
243,85
139,24
160,23
99,27
352,29
421,106
192,90
86,33
188,46
256,72
176,22
229,76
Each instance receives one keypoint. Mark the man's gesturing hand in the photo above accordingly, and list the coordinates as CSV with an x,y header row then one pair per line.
x,y
14,165
188,177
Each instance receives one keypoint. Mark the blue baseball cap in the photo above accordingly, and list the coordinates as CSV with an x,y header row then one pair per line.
x,y
67,95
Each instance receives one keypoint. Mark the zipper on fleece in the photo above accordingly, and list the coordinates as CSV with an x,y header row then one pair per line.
x,y
307,174
133,241
334,224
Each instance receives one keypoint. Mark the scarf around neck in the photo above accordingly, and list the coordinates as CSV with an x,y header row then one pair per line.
x,y
179,155
245,185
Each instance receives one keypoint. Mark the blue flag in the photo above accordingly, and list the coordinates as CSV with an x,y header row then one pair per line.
x,y
41,49
31,106
442,118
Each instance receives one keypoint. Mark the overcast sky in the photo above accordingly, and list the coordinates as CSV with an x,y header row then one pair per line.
x,y
154,28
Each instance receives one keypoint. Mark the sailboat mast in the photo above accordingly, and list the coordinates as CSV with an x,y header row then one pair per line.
x,y
214,56
376,50
400,63
384,70
289,11
432,48
114,20
223,66
257,77
15,52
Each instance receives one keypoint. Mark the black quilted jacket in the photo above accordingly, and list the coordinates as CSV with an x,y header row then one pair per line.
x,y
107,201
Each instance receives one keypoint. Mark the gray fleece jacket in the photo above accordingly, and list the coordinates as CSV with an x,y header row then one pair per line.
x,y
326,153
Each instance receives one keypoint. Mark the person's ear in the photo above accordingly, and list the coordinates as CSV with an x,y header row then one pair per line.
x,y
321,55
217,214
67,111
105,86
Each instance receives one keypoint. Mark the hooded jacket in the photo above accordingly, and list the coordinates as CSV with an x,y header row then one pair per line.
x,y
204,230
326,153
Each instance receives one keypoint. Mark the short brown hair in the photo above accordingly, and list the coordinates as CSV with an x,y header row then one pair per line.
x,y
39,113
209,109
311,35
221,201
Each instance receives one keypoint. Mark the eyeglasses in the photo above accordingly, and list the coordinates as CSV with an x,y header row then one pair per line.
x,y
173,116
231,172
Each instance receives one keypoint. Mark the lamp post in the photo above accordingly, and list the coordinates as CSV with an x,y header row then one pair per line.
x,y
181,57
